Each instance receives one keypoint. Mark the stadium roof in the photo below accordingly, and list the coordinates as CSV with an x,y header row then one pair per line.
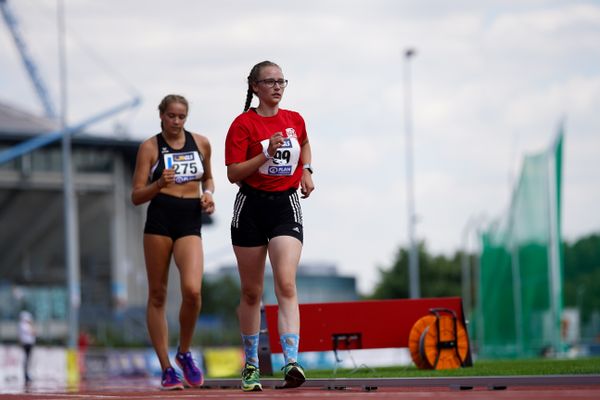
x,y
17,125
15,121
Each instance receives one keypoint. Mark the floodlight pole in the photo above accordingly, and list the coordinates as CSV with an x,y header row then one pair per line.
x,y
466,270
471,227
413,255
69,198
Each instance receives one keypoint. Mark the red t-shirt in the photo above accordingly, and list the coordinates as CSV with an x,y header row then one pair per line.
x,y
244,139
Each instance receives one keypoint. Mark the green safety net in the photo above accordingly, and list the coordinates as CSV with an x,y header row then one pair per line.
x,y
520,276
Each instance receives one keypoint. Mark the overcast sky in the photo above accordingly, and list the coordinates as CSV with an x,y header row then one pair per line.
x,y
491,82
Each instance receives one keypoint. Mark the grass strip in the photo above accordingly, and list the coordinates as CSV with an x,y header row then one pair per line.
x,y
480,368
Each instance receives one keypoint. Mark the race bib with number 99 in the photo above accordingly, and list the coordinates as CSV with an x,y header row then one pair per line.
x,y
285,159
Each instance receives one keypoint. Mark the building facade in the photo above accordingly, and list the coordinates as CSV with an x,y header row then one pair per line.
x,y
315,282
33,271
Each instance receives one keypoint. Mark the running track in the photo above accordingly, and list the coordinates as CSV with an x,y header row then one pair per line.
x,y
523,387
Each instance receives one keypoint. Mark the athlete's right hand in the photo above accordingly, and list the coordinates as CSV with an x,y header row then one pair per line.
x,y
207,202
168,177
275,142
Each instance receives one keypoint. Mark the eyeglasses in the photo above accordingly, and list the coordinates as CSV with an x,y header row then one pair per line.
x,y
271,82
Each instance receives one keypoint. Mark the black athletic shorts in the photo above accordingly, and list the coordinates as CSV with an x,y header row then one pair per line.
x,y
259,216
173,216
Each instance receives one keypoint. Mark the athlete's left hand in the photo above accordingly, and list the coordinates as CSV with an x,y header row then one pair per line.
x,y
207,203
306,184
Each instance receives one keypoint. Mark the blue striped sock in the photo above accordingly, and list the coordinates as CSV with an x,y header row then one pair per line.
x,y
251,348
289,344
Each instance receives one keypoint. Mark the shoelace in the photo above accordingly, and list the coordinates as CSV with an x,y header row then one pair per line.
x,y
248,372
189,362
294,364
170,375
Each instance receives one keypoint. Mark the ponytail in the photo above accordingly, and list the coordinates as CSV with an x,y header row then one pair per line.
x,y
248,97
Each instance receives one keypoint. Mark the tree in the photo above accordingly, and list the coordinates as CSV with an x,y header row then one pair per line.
x,y
582,275
439,276
221,297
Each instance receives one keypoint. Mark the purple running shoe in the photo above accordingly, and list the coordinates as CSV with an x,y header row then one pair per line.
x,y
192,376
170,380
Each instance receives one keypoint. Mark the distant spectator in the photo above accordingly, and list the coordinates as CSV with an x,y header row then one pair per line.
x,y
27,339
83,342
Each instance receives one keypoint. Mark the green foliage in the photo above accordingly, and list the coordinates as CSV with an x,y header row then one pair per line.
x,y
221,297
582,274
229,335
220,300
479,368
440,276
393,283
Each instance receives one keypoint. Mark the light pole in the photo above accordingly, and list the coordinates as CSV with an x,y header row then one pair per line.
x,y
413,255
468,272
69,194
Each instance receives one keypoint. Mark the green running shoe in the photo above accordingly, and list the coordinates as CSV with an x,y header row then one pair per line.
x,y
251,379
293,375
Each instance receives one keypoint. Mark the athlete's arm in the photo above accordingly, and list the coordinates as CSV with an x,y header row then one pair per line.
x,y
306,183
237,172
142,191
208,183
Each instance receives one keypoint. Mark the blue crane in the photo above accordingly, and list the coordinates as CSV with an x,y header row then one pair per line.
x,y
36,79
45,139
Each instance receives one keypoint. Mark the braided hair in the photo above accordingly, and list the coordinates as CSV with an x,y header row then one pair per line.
x,y
253,78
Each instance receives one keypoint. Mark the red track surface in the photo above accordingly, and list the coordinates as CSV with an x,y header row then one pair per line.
x,y
147,389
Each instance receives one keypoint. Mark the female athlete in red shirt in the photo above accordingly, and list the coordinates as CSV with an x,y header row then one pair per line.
x,y
268,154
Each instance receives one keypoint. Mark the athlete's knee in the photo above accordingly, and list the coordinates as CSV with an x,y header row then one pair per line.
x,y
286,290
191,296
157,297
252,295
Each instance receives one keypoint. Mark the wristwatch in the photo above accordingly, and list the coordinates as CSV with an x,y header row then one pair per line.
x,y
308,167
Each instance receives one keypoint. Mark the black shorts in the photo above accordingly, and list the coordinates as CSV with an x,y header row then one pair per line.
x,y
174,217
259,216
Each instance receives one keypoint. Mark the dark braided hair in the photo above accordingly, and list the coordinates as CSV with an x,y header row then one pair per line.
x,y
253,78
